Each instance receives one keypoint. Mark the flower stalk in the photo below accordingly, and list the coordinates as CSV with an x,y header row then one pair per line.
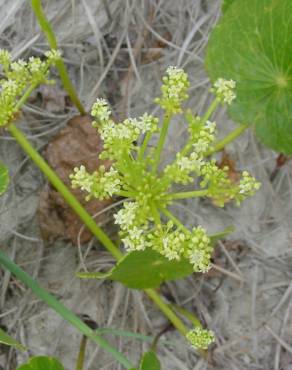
x,y
60,65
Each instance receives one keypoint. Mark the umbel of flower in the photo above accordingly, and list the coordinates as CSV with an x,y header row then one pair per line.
x,y
145,220
200,338
18,77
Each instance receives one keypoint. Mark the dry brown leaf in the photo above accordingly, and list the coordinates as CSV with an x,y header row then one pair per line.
x,y
226,161
78,143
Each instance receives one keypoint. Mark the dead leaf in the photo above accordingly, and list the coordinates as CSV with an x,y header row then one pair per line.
x,y
226,161
78,143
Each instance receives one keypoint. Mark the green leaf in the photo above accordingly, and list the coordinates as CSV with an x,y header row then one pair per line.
x,y
150,362
42,363
252,44
145,269
6,339
149,269
226,4
4,178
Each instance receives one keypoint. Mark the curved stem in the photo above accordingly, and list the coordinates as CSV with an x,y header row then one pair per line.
x,y
228,139
62,310
60,65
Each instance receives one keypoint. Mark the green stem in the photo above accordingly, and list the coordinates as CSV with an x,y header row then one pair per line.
x,y
60,65
24,98
210,110
167,311
155,214
162,137
81,354
65,192
187,314
189,117
85,216
175,220
228,139
143,147
188,194
62,310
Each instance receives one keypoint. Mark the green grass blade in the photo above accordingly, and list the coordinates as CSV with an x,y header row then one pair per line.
x,y
63,311
9,341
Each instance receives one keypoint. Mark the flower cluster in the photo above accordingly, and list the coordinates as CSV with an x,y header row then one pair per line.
x,y
119,138
191,159
222,189
224,90
174,90
101,184
200,338
173,243
18,77
145,220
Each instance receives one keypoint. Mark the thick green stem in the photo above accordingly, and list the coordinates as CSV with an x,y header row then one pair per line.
x,y
85,216
63,311
64,191
187,314
167,311
158,150
188,194
228,139
60,65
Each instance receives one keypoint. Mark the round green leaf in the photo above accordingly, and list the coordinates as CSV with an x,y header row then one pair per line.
x,y
252,44
226,4
9,341
4,178
150,361
42,363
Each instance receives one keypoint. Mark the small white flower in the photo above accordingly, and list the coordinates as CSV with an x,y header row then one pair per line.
x,y
100,110
53,55
126,216
224,90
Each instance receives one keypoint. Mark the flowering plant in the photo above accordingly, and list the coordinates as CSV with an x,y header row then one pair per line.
x,y
20,79
145,220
